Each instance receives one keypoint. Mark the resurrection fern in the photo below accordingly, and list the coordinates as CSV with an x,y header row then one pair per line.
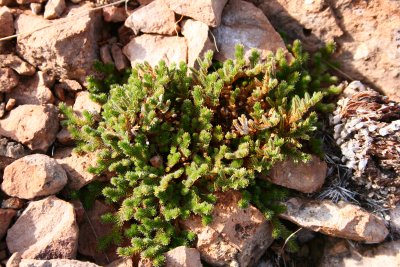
x,y
171,138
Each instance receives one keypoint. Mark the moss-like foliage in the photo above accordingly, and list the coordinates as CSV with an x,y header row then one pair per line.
x,y
172,137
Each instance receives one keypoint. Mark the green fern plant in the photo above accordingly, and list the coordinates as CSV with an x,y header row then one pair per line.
x,y
172,138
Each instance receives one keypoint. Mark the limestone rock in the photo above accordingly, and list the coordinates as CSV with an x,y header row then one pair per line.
x,y
120,61
8,80
236,237
32,91
6,215
196,35
65,50
14,62
46,230
33,176
207,11
83,102
6,22
153,48
114,14
155,17
304,177
183,256
56,263
34,126
10,151
244,23
340,220
54,9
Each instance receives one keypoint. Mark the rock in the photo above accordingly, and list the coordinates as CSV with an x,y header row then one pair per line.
x,y
183,256
114,14
105,54
70,85
153,48
79,210
155,17
207,11
6,22
395,219
244,23
2,109
54,9
91,230
33,176
64,50
17,64
7,2
14,260
83,102
235,237
10,151
12,203
34,126
76,167
56,263
120,60
124,262
64,137
8,80
196,35
6,215
304,177
10,104
36,8
46,230
32,91
24,2
340,220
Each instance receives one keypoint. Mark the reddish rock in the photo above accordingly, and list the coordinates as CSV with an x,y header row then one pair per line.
x,y
6,22
79,210
183,256
12,203
17,64
64,137
6,216
105,54
395,219
114,14
46,229
124,262
56,263
10,104
8,80
34,126
70,85
10,151
120,61
340,220
83,102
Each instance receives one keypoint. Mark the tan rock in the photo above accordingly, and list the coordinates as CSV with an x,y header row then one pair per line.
x,y
155,17
340,220
14,260
196,35
153,48
83,102
183,257
120,61
11,102
54,9
6,216
34,126
236,237
64,137
36,8
8,80
207,11
304,177
17,64
114,14
64,50
244,23
6,22
124,262
46,230
33,176
70,85
32,91
56,263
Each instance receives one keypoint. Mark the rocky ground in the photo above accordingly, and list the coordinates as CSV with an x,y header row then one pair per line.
x,y
47,63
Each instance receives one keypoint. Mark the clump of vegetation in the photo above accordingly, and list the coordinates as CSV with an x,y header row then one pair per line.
x,y
171,138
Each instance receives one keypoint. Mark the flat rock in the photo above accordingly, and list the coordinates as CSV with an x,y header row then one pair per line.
x,y
196,35
245,24
14,62
304,177
235,237
47,229
65,50
183,256
6,216
32,125
114,14
207,11
54,9
153,48
56,263
6,22
33,176
8,80
155,17
340,220
32,91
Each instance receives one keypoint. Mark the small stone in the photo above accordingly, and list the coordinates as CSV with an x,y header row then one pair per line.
x,y
6,216
64,137
83,102
156,161
183,256
36,8
124,262
155,17
153,48
6,22
47,229
17,64
59,92
105,54
33,176
120,61
70,85
12,203
54,9
10,151
56,263
114,14
8,80
10,104
2,109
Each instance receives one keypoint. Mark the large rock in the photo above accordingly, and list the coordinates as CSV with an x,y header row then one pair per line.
x,y
56,263
155,17
236,237
340,220
10,151
6,216
8,80
153,48
32,91
46,230
67,49
33,176
304,177
183,256
245,24
17,64
34,126
207,11
196,35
